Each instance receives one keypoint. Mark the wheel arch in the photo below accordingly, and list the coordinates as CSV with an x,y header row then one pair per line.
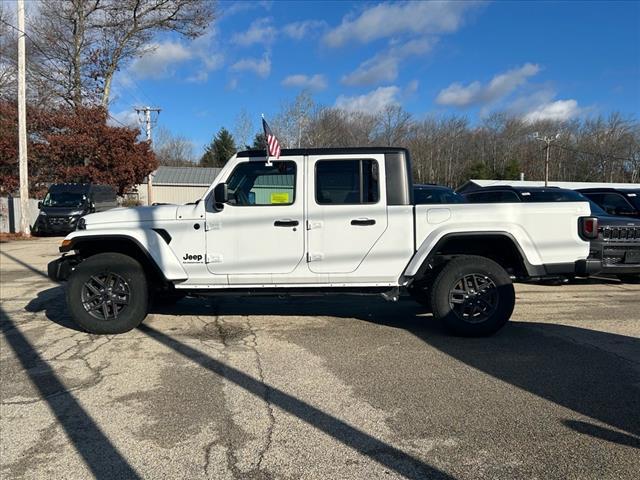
x,y
152,262
499,246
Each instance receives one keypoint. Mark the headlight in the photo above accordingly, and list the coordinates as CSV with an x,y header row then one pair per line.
x,y
43,213
82,224
75,213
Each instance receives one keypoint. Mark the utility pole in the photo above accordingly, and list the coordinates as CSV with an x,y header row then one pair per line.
x,y
148,121
147,111
22,124
548,141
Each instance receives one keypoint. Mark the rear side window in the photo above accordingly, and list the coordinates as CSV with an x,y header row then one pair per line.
x,y
347,182
501,196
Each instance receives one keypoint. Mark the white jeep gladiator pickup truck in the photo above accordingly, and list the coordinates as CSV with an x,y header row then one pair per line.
x,y
334,220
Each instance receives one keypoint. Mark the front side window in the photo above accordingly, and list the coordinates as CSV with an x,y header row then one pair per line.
x,y
256,183
347,182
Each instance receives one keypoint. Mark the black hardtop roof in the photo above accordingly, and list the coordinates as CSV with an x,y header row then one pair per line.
x,y
326,151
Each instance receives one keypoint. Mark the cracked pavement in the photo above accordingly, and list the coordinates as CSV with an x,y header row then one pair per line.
x,y
327,387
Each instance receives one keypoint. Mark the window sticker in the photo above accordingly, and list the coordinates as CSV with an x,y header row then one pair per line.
x,y
280,197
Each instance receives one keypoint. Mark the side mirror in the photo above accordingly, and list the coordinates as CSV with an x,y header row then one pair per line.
x,y
220,196
40,205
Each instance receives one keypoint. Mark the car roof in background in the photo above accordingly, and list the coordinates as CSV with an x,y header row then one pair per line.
x,y
430,186
608,189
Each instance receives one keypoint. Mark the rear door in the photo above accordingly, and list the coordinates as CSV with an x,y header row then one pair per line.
x,y
346,210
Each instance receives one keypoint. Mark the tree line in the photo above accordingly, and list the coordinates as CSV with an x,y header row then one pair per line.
x,y
451,149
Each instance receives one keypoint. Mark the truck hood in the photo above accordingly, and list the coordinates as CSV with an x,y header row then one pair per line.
x,y
613,221
156,213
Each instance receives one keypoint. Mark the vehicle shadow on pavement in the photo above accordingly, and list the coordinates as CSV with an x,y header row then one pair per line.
x,y
405,464
559,363
99,454
540,358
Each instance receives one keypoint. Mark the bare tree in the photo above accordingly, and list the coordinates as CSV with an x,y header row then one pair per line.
x,y
85,42
243,129
173,150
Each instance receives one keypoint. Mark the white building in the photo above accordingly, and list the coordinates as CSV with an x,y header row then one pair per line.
x,y
176,185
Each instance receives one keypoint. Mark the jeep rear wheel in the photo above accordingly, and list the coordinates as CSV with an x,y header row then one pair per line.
x,y
473,296
107,293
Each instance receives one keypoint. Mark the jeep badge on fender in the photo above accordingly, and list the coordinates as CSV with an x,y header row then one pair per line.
x,y
192,258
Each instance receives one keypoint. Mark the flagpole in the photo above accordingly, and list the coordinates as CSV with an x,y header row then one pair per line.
x,y
266,144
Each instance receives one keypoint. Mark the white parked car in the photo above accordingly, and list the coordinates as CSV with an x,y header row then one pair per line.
x,y
319,220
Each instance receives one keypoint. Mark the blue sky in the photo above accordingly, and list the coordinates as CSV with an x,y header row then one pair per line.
x,y
557,60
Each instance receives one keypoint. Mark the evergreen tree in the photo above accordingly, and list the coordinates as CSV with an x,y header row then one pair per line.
x,y
259,143
220,150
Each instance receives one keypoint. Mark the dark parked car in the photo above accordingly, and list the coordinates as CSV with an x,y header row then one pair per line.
x,y
428,194
65,203
615,241
615,201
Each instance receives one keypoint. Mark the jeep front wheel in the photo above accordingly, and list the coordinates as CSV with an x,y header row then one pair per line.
x,y
108,293
473,296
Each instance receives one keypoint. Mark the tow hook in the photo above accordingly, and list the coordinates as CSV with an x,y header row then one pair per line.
x,y
391,295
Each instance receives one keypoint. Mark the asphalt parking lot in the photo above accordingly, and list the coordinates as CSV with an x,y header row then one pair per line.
x,y
321,388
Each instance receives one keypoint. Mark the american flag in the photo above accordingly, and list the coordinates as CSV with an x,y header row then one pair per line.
x,y
273,146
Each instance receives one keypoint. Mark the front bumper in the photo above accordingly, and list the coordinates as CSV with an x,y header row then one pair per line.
x,y
53,224
60,269
617,258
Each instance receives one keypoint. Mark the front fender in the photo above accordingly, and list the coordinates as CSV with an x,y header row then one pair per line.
x,y
148,241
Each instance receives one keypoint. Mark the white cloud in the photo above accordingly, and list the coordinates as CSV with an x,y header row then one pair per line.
x,y
411,88
261,67
559,110
160,60
476,93
233,8
298,30
312,82
261,31
125,117
384,66
392,19
371,102
163,59
379,69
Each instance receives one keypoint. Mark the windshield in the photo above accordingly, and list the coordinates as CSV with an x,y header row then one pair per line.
x,y
595,208
552,196
633,196
64,199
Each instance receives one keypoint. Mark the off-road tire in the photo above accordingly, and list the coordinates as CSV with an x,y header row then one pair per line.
x,y
421,293
497,291
101,265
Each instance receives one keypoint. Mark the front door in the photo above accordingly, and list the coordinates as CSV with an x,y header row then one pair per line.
x,y
261,228
346,211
